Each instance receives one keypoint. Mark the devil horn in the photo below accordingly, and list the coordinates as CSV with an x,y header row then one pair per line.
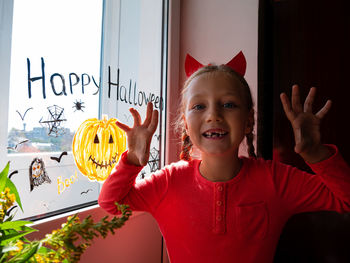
x,y
238,63
191,65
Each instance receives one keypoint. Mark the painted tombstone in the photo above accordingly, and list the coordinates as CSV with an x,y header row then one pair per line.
x,y
97,146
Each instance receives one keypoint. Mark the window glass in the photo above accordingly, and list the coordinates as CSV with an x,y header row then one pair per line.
x,y
140,67
72,61
54,87
54,81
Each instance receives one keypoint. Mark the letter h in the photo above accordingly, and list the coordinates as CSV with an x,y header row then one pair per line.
x,y
30,79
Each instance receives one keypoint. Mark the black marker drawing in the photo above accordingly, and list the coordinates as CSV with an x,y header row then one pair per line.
x,y
58,159
153,160
85,192
131,95
57,78
22,116
98,87
157,137
9,211
78,105
143,173
37,173
54,121
18,144
14,172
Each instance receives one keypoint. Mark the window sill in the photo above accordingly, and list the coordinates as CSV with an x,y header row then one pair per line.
x,y
93,210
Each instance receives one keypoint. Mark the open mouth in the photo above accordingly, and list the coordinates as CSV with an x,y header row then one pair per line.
x,y
104,164
214,134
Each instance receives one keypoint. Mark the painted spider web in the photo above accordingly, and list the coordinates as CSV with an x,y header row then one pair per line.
x,y
54,120
153,160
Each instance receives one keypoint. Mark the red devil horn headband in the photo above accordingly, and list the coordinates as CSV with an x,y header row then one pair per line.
x,y
238,64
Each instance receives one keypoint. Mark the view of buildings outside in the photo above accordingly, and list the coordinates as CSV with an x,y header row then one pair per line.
x,y
38,140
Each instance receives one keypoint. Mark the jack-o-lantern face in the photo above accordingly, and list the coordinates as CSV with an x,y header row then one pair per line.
x,y
97,146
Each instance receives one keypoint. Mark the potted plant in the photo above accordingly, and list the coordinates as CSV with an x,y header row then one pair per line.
x,y
66,244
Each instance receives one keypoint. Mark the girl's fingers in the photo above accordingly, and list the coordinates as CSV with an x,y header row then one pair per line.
x,y
309,100
148,114
297,134
322,112
298,138
296,105
137,118
154,122
287,107
122,126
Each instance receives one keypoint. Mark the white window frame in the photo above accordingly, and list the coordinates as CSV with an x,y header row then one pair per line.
x,y
6,14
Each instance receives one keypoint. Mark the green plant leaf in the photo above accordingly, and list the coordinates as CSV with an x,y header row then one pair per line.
x,y
6,182
6,238
3,258
26,254
28,229
44,250
3,177
13,190
14,225
9,218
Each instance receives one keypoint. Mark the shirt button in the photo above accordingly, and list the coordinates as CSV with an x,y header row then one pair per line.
x,y
218,218
220,188
219,203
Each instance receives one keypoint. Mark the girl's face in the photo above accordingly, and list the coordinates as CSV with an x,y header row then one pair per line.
x,y
215,115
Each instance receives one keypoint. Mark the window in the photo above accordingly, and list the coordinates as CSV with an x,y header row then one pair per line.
x,y
70,61
54,80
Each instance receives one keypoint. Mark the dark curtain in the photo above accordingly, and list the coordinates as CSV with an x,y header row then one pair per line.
x,y
306,42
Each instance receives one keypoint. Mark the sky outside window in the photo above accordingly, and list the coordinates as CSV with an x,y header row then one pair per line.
x,y
63,40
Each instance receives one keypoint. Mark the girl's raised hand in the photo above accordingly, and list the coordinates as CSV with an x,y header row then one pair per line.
x,y
140,135
306,125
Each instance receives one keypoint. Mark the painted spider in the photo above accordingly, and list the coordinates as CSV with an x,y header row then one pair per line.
x,y
78,105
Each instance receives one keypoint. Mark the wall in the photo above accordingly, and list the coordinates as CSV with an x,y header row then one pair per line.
x,y
212,31
138,241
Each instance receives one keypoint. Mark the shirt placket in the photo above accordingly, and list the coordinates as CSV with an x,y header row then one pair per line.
x,y
219,226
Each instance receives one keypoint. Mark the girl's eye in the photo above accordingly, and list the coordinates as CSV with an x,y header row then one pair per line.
x,y
198,107
229,105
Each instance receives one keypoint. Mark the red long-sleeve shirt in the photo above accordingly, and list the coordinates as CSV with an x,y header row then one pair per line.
x,y
239,220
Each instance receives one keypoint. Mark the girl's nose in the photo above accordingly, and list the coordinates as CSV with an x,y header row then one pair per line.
x,y
214,115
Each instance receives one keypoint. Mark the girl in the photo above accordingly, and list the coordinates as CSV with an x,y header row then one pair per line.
x,y
222,207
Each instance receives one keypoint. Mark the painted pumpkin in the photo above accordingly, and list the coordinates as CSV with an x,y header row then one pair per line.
x,y
97,146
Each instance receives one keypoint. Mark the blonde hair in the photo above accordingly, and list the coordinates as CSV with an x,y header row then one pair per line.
x,y
186,144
